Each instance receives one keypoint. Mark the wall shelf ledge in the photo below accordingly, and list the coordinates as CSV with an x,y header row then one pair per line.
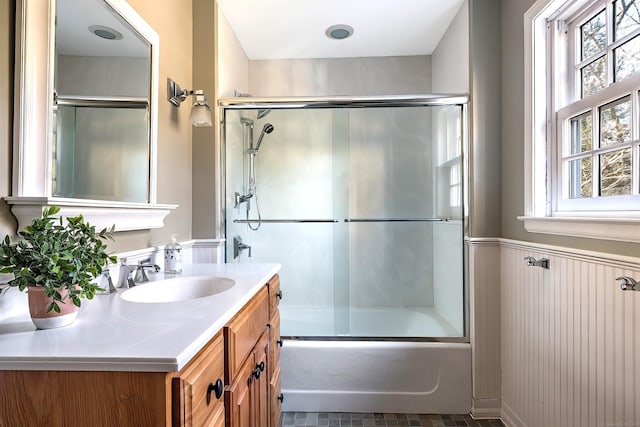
x,y
101,214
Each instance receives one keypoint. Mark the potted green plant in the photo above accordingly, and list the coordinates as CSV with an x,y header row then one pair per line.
x,y
56,260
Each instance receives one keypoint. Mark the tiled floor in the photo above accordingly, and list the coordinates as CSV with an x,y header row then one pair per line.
x,y
315,419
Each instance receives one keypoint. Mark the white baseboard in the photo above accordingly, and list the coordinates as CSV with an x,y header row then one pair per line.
x,y
485,408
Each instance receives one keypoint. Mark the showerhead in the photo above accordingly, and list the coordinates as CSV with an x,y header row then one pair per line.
x,y
268,128
263,113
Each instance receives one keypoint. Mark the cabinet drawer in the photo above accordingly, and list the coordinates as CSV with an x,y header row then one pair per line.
x,y
274,342
275,295
243,331
194,397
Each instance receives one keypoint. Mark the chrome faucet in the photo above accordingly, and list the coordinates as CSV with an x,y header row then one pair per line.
x,y
125,279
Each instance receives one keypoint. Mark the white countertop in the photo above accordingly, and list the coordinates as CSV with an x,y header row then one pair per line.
x,y
111,334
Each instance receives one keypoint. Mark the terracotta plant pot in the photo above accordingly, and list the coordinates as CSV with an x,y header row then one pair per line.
x,y
38,304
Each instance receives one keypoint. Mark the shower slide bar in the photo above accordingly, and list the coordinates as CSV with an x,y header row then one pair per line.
x,y
293,221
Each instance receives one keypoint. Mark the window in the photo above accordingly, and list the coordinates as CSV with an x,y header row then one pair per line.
x,y
582,114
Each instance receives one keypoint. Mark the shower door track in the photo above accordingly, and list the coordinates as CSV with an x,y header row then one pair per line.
x,y
442,339
343,102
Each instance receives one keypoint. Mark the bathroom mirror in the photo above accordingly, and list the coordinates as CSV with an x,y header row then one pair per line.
x,y
86,113
100,146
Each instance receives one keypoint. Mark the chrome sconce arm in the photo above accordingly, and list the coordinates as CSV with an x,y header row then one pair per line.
x,y
200,112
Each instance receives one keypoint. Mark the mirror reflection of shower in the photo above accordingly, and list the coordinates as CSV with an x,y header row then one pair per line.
x,y
252,152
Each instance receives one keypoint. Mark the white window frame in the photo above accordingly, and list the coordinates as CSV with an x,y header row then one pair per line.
x,y
541,213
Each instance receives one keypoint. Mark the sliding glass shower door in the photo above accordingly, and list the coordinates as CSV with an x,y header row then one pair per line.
x,y
363,209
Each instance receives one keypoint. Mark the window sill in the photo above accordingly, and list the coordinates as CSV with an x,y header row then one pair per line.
x,y
126,216
617,229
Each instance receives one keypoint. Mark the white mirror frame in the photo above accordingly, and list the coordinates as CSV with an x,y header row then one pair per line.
x,y
33,106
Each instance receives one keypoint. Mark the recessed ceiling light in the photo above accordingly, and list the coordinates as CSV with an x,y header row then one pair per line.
x,y
339,32
105,32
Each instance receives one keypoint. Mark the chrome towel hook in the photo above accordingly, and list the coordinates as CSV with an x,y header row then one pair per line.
x,y
628,283
532,262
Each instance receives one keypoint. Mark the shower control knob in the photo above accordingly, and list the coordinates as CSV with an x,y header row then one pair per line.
x,y
279,342
279,295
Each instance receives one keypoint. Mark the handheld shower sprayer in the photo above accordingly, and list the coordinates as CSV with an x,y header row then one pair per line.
x,y
268,128
252,152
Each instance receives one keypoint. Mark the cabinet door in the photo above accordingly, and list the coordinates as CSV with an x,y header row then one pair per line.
x,y
239,397
243,331
197,391
262,383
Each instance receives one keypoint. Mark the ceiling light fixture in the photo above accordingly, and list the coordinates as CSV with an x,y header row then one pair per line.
x,y
339,32
105,32
200,111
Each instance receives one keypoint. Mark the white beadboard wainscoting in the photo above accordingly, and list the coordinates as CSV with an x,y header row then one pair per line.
x,y
569,338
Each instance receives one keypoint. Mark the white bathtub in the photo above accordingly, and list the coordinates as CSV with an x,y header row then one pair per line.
x,y
376,376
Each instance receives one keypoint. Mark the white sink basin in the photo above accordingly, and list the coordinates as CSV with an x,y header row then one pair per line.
x,y
177,289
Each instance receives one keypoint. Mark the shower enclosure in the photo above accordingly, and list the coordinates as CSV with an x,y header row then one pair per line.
x,y
362,203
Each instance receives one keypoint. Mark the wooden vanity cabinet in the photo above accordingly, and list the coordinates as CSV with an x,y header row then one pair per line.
x,y
233,381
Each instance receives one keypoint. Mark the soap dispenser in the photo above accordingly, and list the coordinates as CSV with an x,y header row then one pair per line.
x,y
173,256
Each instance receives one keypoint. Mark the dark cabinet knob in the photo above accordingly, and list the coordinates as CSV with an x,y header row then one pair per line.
x,y
279,295
279,342
259,369
217,388
281,397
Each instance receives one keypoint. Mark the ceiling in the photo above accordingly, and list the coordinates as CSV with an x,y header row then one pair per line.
x,y
73,18
289,29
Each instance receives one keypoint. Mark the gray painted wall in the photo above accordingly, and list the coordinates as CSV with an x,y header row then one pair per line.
x,y
341,76
450,59
484,156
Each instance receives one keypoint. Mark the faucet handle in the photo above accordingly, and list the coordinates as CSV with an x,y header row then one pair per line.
x,y
141,274
109,288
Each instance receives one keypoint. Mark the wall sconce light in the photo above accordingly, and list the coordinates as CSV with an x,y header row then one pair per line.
x,y
200,112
